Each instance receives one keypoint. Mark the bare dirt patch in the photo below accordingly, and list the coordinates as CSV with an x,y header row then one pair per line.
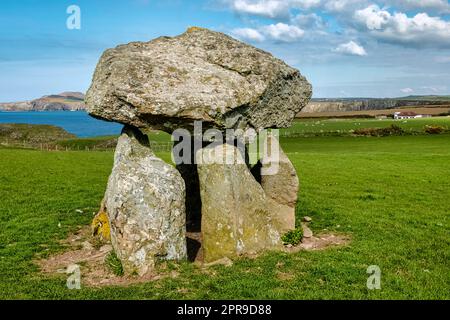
x,y
283,276
84,251
321,242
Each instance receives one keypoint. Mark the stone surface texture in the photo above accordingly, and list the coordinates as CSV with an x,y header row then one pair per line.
x,y
169,82
145,202
282,185
235,217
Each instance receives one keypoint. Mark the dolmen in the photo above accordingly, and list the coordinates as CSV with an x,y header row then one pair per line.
x,y
218,97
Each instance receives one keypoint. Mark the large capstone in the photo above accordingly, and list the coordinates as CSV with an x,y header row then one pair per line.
x,y
145,202
201,75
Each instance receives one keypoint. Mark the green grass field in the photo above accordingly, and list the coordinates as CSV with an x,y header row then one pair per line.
x,y
391,195
343,126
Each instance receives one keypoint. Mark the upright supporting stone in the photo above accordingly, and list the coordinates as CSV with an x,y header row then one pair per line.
x,y
145,202
235,217
282,185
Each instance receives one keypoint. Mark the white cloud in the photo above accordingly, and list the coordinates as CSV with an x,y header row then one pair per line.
x,y
349,18
407,90
249,34
419,30
339,6
309,21
265,8
373,17
283,32
304,4
279,32
351,48
274,9
435,5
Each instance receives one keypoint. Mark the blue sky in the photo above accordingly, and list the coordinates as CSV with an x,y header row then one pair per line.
x,y
369,48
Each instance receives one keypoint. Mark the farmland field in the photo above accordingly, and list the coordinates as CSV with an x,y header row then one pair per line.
x,y
390,195
431,110
347,125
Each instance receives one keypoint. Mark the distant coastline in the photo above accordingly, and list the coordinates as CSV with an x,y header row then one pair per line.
x,y
375,104
66,101
74,101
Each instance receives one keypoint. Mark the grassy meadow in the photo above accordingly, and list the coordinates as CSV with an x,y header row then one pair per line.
x,y
345,126
390,195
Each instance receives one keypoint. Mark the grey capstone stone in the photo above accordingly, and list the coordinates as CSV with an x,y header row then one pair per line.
x,y
203,75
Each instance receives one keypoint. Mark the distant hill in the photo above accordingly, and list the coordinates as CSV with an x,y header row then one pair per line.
x,y
426,98
66,101
367,104
11,134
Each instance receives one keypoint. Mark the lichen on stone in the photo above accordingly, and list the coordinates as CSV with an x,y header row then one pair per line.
x,y
100,226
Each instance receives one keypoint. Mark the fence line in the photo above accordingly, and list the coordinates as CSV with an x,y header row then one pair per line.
x,y
155,146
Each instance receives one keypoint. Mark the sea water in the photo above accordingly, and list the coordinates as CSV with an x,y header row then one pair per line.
x,y
78,123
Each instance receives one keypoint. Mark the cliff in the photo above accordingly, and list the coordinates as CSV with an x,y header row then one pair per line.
x,y
331,105
66,101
